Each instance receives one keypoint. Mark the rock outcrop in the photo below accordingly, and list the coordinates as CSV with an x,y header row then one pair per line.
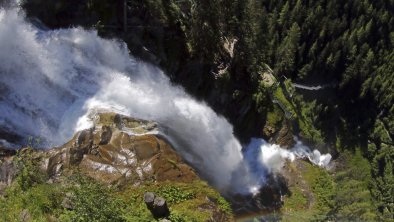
x,y
116,150
7,168
282,135
119,149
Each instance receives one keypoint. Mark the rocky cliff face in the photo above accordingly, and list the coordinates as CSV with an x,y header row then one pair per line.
x,y
118,151
7,168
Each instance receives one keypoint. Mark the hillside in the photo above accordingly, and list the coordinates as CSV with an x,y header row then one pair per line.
x,y
319,70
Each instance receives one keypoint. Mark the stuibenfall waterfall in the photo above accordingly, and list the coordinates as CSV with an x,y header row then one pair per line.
x,y
52,82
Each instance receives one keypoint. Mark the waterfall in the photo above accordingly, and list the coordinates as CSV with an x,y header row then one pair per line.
x,y
53,81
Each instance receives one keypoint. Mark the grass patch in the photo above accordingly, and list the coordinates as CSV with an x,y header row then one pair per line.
x,y
187,201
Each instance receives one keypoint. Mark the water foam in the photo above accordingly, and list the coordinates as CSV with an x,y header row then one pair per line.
x,y
52,82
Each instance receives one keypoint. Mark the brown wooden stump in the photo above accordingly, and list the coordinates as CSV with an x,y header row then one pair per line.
x,y
157,205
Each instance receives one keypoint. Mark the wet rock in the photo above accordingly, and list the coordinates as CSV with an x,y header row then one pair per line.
x,y
4,152
269,131
106,135
81,145
117,150
283,136
271,195
7,136
268,198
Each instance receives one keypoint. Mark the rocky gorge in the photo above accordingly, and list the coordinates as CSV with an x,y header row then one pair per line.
x,y
104,103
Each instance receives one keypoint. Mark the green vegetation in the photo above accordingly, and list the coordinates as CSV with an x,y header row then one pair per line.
x,y
273,119
312,200
343,195
297,202
174,194
307,121
91,201
30,173
353,201
183,200
32,198
78,198
279,95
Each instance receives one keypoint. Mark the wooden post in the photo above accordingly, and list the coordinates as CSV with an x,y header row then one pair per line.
x,y
160,208
149,199
156,205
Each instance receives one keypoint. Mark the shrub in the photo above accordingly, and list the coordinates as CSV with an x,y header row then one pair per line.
x,y
174,194
92,201
29,173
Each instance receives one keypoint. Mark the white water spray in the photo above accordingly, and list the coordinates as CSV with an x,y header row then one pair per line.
x,y
52,81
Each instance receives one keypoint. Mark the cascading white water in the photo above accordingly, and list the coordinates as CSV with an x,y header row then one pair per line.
x,y
51,82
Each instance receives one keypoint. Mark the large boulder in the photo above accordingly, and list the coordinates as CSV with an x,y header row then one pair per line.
x,y
119,149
